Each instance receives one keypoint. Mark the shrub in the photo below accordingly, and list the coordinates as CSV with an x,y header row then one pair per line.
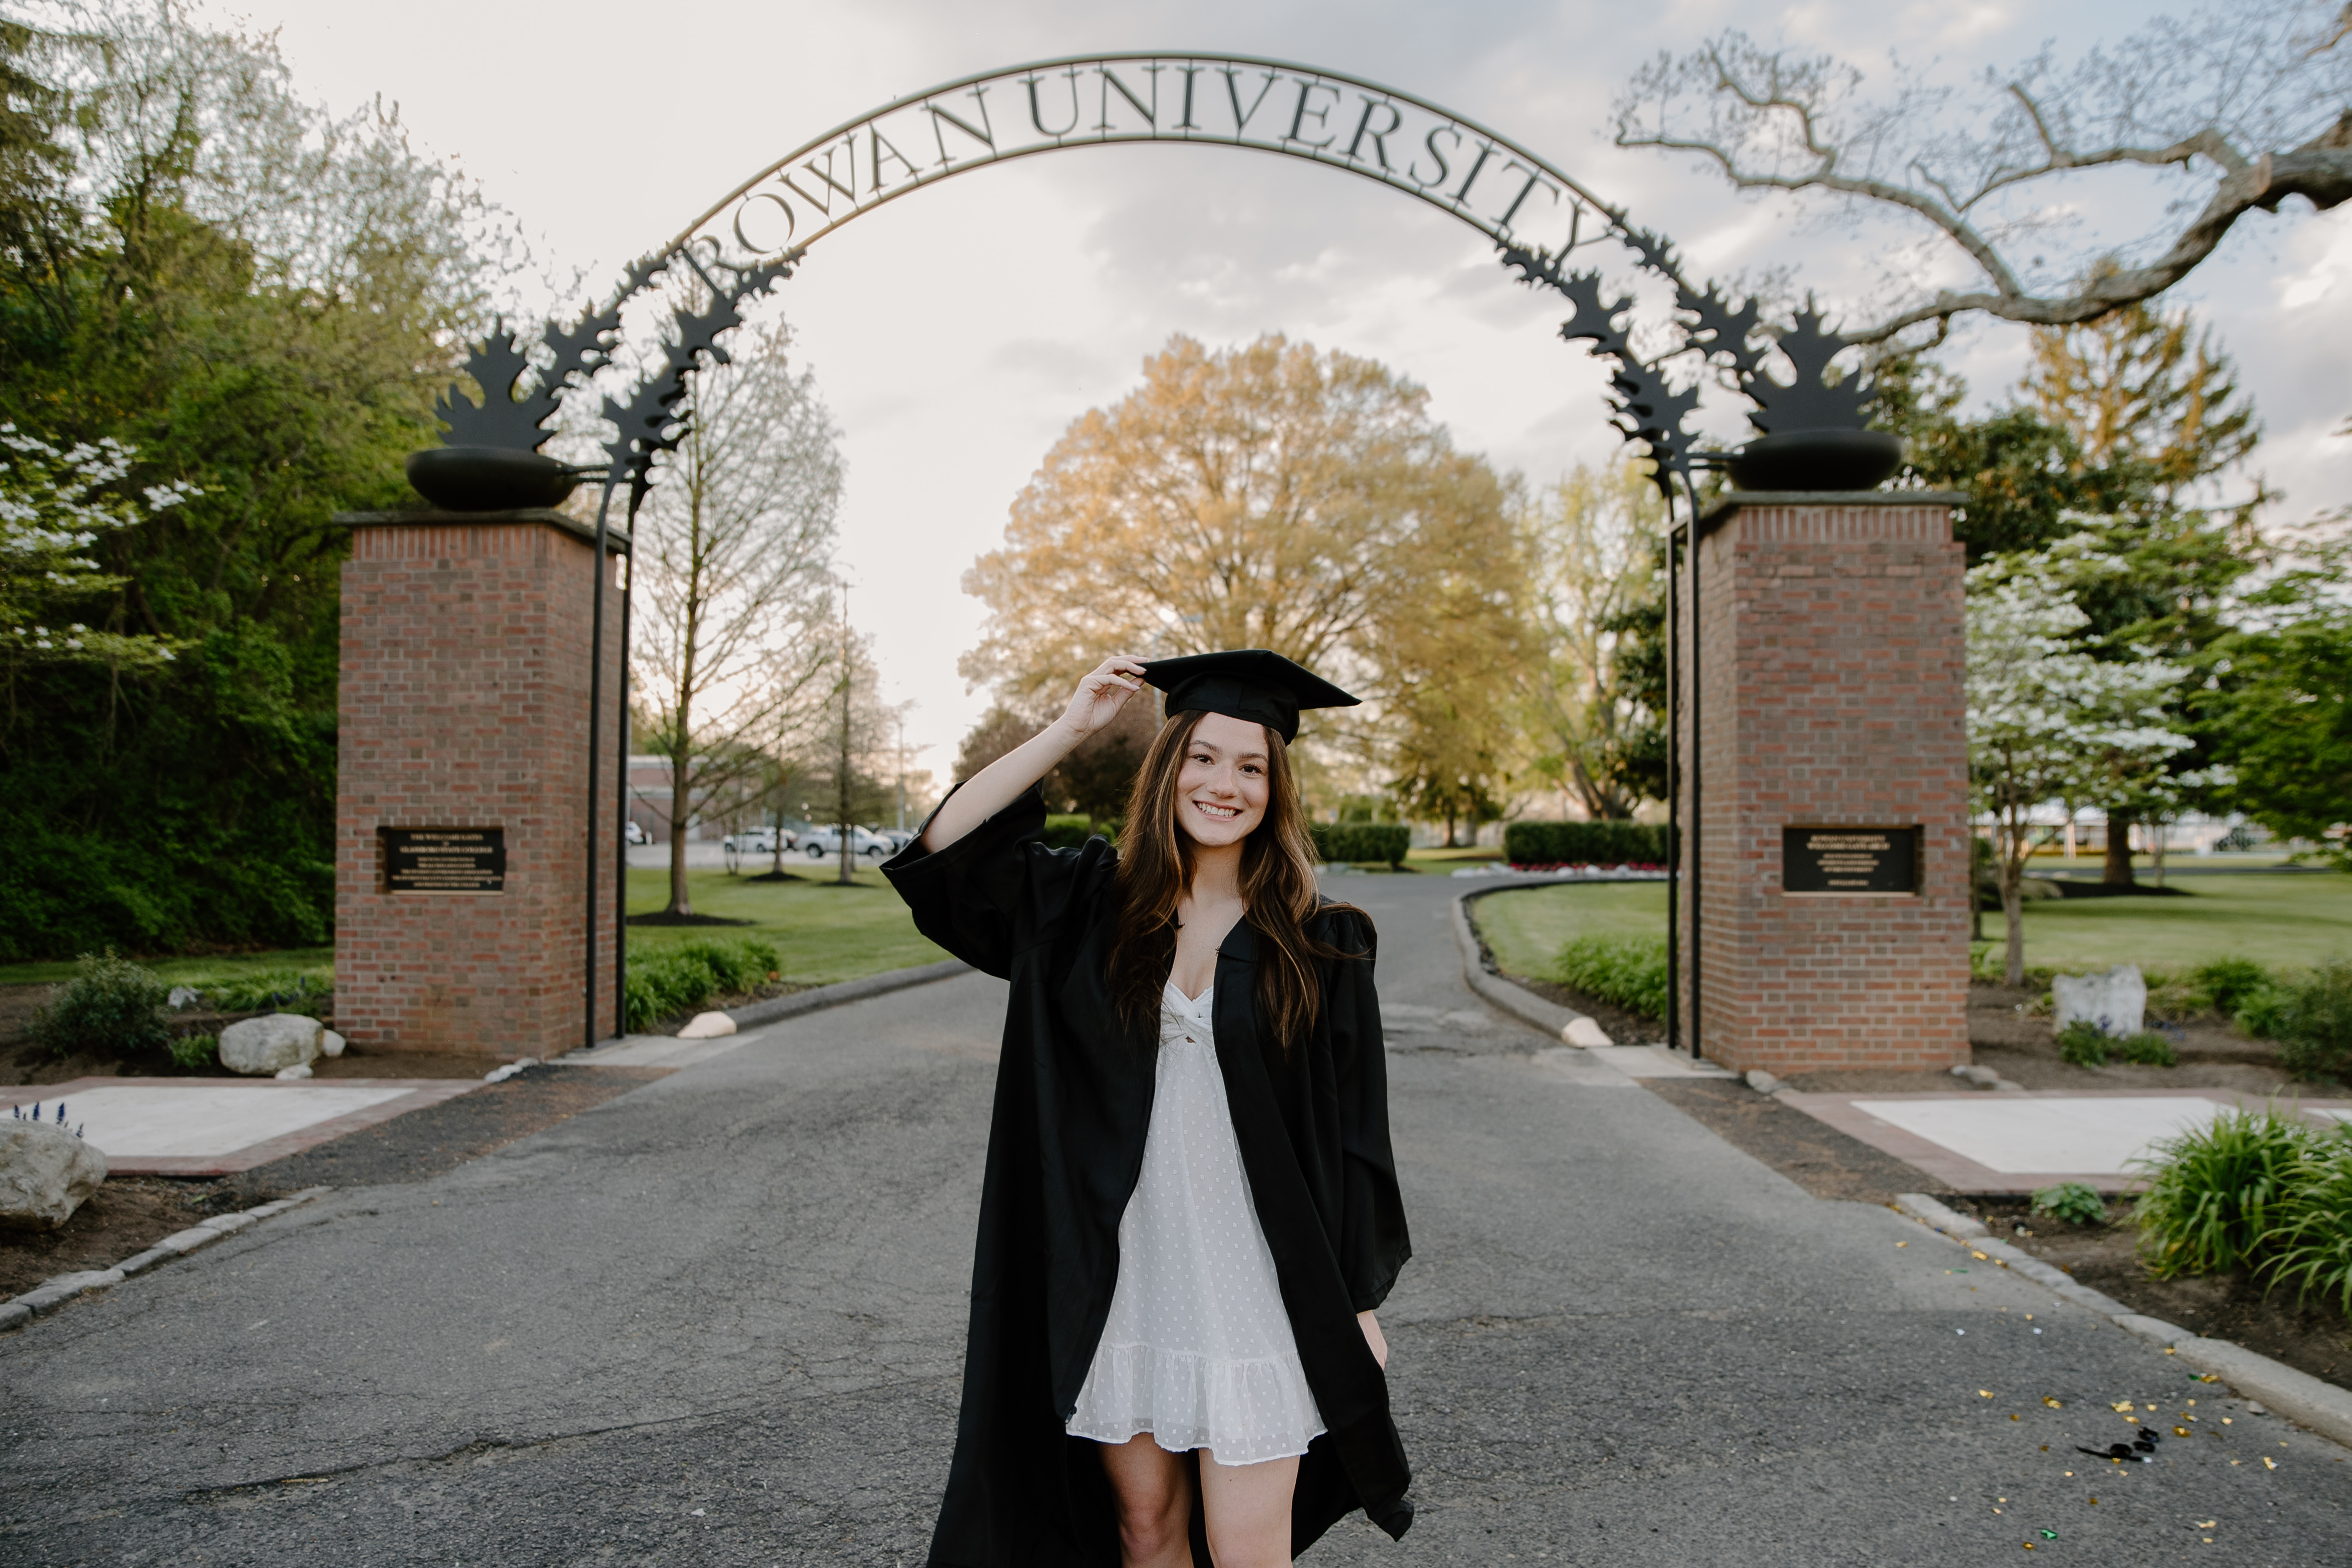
x,y
1360,843
2225,985
2085,1045
1585,844
2261,1013
2214,1191
193,1053
1628,972
2073,1203
2310,1246
2315,1022
1063,831
111,1007
682,978
283,990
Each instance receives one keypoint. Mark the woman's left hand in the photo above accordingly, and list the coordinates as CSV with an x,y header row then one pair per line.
x,y
1374,1338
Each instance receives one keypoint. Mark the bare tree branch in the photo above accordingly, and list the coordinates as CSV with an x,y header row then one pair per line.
x,y
2244,107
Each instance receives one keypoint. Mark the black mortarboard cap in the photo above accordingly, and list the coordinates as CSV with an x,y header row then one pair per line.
x,y
1245,683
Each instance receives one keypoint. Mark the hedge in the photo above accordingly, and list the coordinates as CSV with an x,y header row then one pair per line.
x,y
1066,831
1585,844
1359,843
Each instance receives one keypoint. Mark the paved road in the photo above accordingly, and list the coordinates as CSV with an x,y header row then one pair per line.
x,y
718,1321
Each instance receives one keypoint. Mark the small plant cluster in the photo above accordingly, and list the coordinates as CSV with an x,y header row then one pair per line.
x,y
1360,843
110,1007
16,1112
682,978
1628,972
268,990
2309,1013
1067,830
2086,1045
1550,844
2258,1191
2074,1203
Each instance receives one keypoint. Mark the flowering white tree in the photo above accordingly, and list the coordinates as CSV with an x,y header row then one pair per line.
x,y
54,505
2046,715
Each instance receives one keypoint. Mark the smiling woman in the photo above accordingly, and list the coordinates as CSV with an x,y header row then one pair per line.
x,y
1191,1211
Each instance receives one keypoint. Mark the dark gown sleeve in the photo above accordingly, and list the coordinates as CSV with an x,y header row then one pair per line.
x,y
1373,1243
993,888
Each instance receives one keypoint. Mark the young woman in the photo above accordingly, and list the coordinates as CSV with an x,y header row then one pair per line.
x,y
1190,1208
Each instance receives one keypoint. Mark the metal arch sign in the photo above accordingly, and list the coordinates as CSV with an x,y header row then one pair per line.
x,y
1498,187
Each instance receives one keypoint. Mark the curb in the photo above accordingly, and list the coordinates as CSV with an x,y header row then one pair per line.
x,y
54,1292
823,997
2321,1407
1563,1023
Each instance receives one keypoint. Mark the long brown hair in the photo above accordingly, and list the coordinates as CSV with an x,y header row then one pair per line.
x,y
1277,884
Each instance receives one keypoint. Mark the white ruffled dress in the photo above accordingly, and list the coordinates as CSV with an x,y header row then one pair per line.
x,y
1197,1351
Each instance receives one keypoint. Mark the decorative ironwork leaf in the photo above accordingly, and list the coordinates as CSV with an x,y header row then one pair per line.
x,y
1809,403
500,419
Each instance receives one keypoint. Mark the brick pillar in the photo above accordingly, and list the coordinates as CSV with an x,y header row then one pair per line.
x,y
464,705
1830,665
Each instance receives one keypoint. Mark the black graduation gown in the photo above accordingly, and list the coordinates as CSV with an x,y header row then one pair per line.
x,y
1074,1091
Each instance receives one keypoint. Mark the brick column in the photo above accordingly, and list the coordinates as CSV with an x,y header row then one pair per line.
x,y
465,705
1830,665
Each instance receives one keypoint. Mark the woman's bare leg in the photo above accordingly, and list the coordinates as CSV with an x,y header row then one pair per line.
x,y
1155,1503
1248,1510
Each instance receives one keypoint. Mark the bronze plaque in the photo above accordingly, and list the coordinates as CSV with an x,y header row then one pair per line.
x,y
1850,860
444,859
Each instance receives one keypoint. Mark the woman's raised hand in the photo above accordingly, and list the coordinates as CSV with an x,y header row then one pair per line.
x,y
1102,693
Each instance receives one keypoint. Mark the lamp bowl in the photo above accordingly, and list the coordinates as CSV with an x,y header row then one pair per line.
x,y
488,478
1817,461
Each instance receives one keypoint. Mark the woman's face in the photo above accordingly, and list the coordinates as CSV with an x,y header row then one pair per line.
x,y
1221,790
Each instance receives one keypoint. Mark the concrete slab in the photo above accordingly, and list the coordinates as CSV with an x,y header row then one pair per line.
x,y
212,1127
2018,1142
1654,1061
655,1051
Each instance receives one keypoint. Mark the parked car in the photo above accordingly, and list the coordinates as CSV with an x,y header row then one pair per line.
x,y
818,843
896,838
635,833
756,841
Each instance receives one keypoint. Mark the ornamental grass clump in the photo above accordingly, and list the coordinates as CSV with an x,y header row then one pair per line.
x,y
2309,1244
2215,1192
1628,972
2085,1045
110,1007
681,979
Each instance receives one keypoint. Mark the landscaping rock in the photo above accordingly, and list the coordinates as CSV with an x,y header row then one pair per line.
x,y
2115,1002
330,1044
707,1026
298,1070
260,1047
45,1174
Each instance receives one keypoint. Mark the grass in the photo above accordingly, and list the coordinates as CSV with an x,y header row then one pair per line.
x,y
1525,927
1449,858
186,971
820,933
2283,920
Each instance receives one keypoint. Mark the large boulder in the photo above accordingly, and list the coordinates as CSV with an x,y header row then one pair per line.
x,y
262,1048
45,1174
2114,1003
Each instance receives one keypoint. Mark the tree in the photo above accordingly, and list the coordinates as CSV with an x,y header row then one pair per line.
x,y
1591,544
737,659
1269,496
2244,104
2044,710
54,506
2276,709
2135,386
254,299
1094,780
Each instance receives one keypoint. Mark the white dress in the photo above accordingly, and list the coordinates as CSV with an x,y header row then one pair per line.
x,y
1197,1351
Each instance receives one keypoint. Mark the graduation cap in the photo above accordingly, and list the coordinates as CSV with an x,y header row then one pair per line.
x,y
1251,683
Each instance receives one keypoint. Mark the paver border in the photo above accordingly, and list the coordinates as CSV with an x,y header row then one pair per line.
x,y
57,1290
1964,1175
424,1092
2319,1406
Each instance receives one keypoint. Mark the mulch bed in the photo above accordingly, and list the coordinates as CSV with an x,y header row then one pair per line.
x,y
2307,1334
1819,1158
130,1214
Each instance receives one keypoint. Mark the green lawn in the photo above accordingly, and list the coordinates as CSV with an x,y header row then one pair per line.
x,y
1527,926
2279,919
824,932
184,971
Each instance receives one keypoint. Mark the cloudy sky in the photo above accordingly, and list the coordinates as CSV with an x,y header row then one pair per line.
x,y
957,332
